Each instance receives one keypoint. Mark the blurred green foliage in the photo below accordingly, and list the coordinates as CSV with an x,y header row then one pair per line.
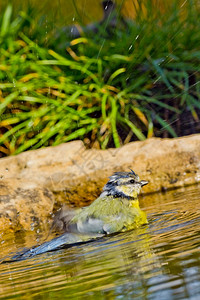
x,y
122,84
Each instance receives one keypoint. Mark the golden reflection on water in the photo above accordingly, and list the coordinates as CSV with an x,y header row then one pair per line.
x,y
160,260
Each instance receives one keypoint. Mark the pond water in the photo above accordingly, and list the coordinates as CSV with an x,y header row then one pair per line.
x,y
158,261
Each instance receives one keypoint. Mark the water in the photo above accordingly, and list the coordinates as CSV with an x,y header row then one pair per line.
x,y
158,261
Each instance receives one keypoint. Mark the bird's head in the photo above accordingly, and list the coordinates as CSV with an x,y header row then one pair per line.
x,y
123,185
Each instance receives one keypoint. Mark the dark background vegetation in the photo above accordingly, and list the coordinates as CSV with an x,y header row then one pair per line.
x,y
131,76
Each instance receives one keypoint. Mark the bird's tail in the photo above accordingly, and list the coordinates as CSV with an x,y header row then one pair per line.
x,y
66,240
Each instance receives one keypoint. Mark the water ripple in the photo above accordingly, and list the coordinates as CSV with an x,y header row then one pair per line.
x,y
158,261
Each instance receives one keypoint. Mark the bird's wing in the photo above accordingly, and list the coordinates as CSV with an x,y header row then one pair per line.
x,y
90,225
105,215
105,225
63,217
114,224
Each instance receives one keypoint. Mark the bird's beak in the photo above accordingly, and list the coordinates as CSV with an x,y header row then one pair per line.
x,y
143,182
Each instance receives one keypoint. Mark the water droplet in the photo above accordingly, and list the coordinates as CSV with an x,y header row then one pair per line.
x,y
32,226
30,124
183,3
197,177
137,37
130,47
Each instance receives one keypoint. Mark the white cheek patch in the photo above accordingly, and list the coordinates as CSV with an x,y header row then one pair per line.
x,y
125,189
129,190
138,188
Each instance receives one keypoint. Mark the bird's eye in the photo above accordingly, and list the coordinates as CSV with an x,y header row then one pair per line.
x,y
132,181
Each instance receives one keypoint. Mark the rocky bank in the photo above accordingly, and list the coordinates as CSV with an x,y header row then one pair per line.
x,y
33,183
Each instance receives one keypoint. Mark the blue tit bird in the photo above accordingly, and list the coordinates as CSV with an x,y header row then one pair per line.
x,y
115,210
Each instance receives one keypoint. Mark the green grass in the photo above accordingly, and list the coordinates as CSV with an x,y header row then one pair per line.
x,y
108,89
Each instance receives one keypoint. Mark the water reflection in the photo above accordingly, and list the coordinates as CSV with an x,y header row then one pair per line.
x,y
158,261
